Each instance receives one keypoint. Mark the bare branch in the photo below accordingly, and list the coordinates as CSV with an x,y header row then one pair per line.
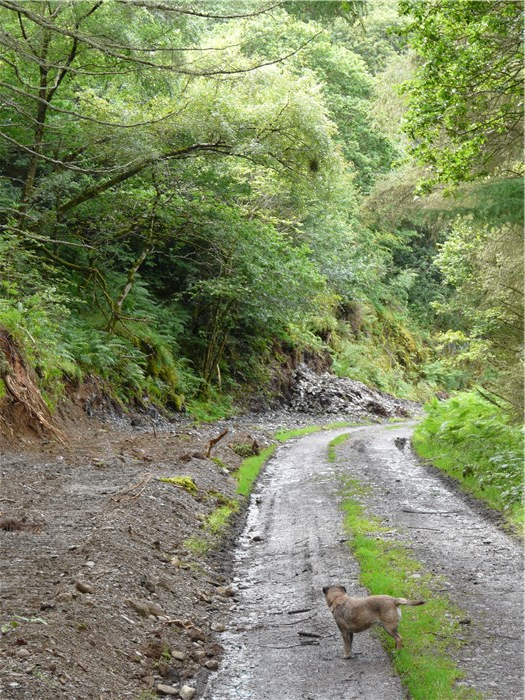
x,y
168,7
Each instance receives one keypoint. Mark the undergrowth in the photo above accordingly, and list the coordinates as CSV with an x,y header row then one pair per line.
x,y
473,441
432,633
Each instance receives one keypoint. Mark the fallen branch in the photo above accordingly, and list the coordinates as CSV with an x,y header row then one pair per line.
x,y
213,442
414,527
430,512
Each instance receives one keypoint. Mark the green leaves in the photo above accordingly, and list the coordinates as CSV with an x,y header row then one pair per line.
x,y
466,101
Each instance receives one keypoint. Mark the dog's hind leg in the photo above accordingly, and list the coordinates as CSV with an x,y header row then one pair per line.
x,y
392,631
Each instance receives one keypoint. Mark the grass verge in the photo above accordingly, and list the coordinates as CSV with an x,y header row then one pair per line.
x,y
214,527
432,633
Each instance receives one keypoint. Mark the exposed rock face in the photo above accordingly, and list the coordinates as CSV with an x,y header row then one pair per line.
x,y
325,393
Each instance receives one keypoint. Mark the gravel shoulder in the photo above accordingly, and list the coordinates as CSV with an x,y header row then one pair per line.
x,y
101,598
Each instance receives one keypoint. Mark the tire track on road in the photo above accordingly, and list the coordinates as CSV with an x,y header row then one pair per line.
x,y
292,546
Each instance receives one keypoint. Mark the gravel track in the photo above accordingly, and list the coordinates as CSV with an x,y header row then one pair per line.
x,y
293,545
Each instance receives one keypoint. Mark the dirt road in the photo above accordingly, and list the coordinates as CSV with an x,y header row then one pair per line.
x,y
281,641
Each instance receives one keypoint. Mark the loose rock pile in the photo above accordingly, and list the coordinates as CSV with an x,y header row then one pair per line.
x,y
318,394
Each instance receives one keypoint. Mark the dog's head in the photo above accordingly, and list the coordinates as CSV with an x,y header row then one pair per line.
x,y
332,592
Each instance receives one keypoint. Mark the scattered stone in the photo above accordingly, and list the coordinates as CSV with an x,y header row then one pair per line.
x,y
226,591
141,608
84,587
217,627
187,692
197,635
166,585
148,584
90,564
23,653
166,689
178,655
212,664
65,597
154,609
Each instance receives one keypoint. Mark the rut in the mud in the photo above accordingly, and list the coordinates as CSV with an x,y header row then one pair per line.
x,y
282,641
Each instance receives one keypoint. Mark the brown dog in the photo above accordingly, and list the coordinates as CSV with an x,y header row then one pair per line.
x,y
358,614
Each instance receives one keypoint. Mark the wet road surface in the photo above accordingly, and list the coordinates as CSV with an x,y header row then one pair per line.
x,y
281,641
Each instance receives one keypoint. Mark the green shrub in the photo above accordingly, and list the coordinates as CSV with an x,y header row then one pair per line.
x,y
474,441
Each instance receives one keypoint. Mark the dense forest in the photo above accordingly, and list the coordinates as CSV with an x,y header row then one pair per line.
x,y
195,196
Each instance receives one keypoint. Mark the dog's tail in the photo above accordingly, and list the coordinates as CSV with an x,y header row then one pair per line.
x,y
404,601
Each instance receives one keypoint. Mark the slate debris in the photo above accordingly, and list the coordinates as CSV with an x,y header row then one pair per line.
x,y
319,394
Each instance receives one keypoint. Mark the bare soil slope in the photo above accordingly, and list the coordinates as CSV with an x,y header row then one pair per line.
x,y
100,595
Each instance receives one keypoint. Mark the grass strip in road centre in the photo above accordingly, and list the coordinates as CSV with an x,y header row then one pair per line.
x,y
250,467
431,633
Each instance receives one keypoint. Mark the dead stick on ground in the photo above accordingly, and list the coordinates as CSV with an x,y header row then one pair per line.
x,y
431,512
214,441
413,527
127,492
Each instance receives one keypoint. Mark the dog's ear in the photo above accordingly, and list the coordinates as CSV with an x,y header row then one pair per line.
x,y
343,589
325,588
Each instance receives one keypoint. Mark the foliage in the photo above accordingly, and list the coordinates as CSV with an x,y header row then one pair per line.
x,y
472,439
484,266
214,407
466,100
181,192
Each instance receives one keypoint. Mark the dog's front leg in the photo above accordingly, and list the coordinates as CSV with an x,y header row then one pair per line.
x,y
348,638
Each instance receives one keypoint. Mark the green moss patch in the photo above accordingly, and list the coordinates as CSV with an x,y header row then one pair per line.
x,y
183,482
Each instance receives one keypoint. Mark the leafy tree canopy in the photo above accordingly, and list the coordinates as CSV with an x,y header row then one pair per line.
x,y
465,111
